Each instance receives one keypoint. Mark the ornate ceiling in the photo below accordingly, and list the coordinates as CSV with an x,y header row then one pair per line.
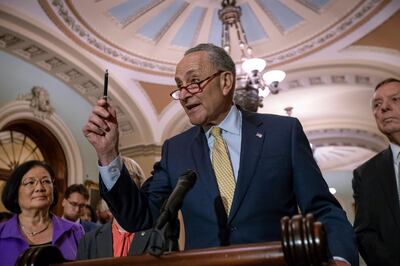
x,y
151,35
334,51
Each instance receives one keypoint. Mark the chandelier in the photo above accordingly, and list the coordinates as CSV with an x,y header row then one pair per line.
x,y
253,82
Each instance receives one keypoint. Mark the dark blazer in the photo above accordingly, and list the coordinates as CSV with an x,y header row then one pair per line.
x,y
88,226
277,173
98,243
377,221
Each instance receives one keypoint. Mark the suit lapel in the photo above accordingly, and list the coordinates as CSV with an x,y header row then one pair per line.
x,y
201,158
251,148
104,241
388,183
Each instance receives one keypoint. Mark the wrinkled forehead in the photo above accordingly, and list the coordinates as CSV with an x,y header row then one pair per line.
x,y
196,62
387,90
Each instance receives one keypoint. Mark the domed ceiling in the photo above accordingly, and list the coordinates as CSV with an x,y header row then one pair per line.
x,y
151,35
327,47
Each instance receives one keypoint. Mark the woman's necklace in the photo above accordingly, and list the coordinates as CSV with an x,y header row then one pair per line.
x,y
33,233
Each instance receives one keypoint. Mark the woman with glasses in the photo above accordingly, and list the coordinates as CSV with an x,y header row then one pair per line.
x,y
30,193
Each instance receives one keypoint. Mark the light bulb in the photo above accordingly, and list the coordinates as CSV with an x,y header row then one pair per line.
x,y
252,64
249,50
273,75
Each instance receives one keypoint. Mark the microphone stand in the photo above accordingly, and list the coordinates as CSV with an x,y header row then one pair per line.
x,y
165,234
165,239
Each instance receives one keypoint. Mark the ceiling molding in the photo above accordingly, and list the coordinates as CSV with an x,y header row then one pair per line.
x,y
70,25
67,16
347,137
71,67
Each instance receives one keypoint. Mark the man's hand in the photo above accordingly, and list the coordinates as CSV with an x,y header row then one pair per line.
x,y
101,131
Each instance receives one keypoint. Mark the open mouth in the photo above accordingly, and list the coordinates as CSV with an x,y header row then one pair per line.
x,y
191,106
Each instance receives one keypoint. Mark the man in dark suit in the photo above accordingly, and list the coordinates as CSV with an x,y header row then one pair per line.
x,y
271,166
376,185
111,239
99,243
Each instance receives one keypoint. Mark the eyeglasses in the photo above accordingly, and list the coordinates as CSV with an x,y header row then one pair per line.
x,y
194,87
31,183
76,204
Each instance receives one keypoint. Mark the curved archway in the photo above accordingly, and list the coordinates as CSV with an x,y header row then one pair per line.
x,y
17,115
53,138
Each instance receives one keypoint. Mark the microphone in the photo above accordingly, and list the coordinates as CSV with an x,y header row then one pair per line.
x,y
175,200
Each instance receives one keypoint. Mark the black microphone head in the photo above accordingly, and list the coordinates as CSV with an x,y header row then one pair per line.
x,y
174,202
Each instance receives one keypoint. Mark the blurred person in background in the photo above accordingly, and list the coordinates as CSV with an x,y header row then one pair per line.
x,y
88,214
111,239
75,199
30,193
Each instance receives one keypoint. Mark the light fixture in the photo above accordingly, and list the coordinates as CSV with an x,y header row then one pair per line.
x,y
253,82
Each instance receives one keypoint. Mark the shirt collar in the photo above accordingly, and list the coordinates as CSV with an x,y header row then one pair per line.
x,y
232,122
395,151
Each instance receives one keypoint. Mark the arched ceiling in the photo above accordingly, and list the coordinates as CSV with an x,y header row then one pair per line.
x,y
333,51
152,35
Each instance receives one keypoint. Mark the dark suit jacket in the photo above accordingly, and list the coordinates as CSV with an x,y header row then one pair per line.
x,y
98,243
377,221
276,172
88,226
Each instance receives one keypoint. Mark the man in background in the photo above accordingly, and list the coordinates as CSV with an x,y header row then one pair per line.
x,y
111,239
76,197
376,184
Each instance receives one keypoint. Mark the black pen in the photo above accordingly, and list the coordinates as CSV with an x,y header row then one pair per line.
x,y
105,85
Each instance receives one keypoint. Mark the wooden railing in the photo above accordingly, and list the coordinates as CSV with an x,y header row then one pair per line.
x,y
303,243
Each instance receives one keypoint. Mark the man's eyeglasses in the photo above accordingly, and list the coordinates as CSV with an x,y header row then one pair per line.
x,y
31,183
76,204
194,87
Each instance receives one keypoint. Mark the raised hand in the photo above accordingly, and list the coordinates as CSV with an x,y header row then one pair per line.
x,y
101,131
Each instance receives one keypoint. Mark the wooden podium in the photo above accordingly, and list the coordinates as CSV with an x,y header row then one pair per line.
x,y
303,243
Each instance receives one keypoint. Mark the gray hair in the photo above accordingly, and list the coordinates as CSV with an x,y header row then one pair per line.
x,y
386,81
219,58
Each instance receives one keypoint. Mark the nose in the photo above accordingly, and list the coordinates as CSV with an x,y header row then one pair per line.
x,y
184,94
39,186
386,106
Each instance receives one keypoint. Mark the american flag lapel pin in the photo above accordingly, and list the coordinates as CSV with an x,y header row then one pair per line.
x,y
259,135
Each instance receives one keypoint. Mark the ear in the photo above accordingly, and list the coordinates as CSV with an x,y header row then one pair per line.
x,y
227,82
64,203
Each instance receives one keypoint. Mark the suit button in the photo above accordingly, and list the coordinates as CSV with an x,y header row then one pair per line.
x,y
233,228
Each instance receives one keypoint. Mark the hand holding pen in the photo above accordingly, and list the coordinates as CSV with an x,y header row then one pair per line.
x,y
101,129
